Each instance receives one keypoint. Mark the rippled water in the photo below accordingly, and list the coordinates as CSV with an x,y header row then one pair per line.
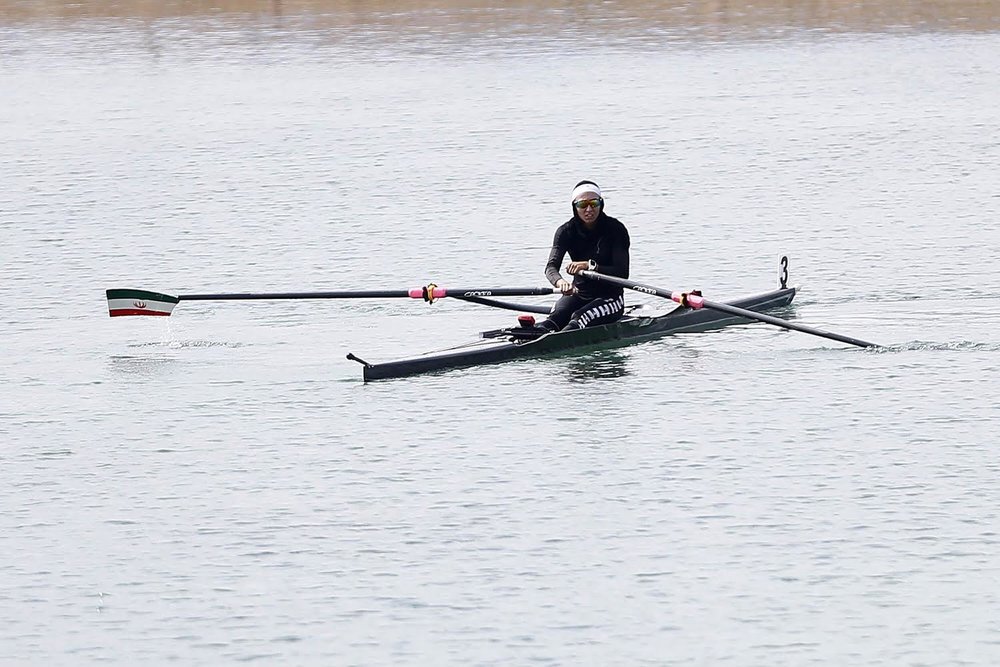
x,y
220,486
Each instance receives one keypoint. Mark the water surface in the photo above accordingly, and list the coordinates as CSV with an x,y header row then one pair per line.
x,y
220,486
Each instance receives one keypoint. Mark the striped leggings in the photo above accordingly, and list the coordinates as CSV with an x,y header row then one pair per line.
x,y
577,312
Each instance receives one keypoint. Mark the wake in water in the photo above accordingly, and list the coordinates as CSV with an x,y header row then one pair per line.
x,y
953,346
181,344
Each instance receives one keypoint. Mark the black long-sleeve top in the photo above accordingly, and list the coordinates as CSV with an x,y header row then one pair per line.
x,y
608,245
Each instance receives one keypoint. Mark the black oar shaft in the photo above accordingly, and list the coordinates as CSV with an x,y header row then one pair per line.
x,y
698,302
506,305
247,296
769,319
427,293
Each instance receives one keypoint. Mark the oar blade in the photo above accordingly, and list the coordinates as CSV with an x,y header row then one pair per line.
x,y
124,302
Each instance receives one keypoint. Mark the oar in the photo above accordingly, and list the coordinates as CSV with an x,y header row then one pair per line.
x,y
697,301
142,302
506,305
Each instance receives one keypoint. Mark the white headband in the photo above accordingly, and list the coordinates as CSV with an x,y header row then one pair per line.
x,y
586,187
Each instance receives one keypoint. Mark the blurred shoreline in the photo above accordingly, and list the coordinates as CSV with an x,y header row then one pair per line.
x,y
616,16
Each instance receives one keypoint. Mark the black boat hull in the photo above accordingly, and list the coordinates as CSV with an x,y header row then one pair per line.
x,y
625,331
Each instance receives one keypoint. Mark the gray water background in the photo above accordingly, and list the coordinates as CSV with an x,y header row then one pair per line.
x,y
220,486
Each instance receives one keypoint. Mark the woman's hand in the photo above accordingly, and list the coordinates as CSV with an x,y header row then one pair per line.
x,y
565,286
575,267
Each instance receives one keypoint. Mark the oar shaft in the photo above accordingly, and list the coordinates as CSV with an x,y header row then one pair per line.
x,y
769,319
248,296
506,305
427,293
697,301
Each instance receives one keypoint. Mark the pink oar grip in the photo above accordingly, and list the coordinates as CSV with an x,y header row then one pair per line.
x,y
436,293
687,299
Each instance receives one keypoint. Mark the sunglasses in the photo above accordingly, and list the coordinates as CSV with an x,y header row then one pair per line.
x,y
588,203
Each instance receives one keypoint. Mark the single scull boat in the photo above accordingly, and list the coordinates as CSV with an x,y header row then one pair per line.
x,y
695,313
506,344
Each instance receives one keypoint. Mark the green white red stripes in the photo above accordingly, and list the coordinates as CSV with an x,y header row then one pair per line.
x,y
139,302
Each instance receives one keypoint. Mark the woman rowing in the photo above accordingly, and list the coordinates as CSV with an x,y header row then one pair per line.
x,y
594,241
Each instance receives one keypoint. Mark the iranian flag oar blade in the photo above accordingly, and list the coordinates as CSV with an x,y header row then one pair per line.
x,y
141,302
697,301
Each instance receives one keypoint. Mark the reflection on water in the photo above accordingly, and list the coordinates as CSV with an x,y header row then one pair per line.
x,y
600,365
141,366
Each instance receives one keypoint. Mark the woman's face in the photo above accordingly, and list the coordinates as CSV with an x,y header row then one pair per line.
x,y
588,206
